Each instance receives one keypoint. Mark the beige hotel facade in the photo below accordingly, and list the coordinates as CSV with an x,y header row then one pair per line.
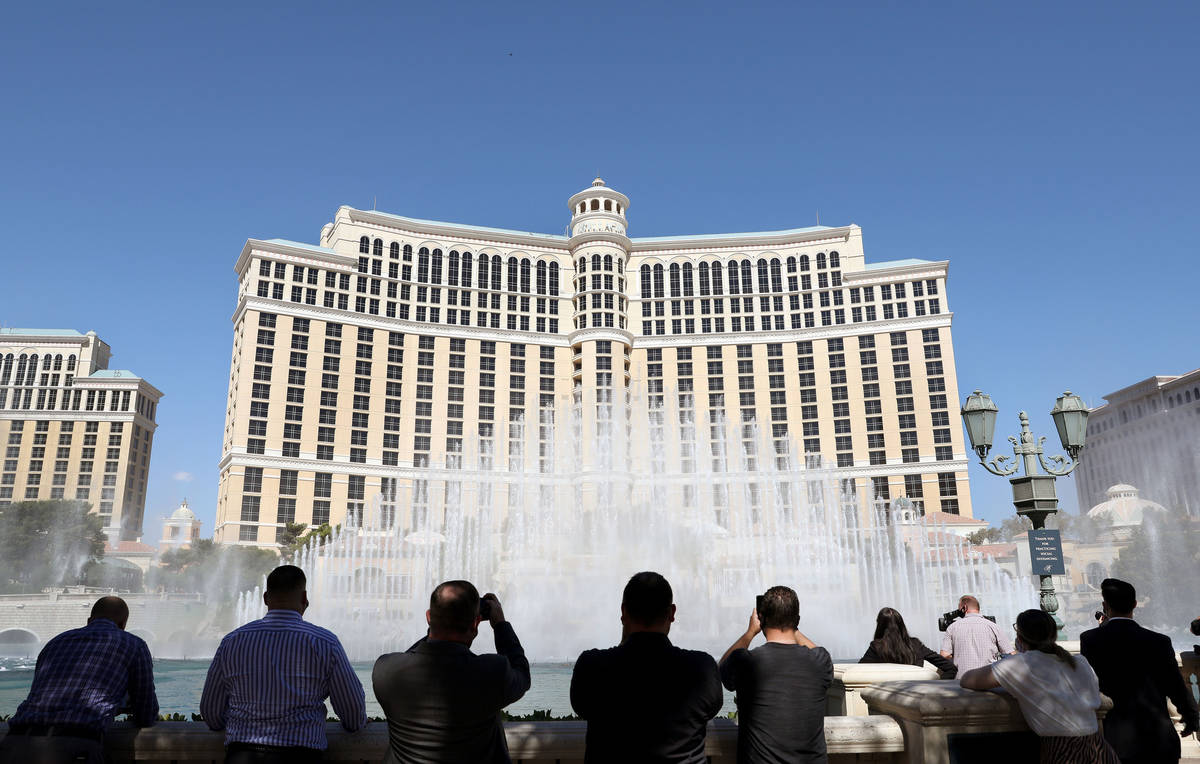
x,y
72,428
405,358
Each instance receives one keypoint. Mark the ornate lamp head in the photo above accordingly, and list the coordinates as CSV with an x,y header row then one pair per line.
x,y
1070,416
979,417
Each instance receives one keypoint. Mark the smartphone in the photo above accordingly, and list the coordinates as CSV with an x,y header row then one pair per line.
x,y
758,603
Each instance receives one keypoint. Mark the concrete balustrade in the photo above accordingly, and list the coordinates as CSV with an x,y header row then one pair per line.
x,y
933,712
849,679
863,740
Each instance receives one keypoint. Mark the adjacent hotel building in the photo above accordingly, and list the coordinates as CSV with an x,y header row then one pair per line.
x,y
1147,435
405,357
74,428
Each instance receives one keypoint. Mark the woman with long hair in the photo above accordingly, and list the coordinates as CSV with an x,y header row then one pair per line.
x,y
1058,692
892,644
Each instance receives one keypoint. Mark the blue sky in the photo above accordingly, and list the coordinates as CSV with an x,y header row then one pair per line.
x,y
1047,151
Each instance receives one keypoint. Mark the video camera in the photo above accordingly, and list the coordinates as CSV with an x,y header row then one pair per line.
x,y
952,616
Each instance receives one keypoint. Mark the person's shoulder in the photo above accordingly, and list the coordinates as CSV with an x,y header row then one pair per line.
x,y
696,656
598,655
134,641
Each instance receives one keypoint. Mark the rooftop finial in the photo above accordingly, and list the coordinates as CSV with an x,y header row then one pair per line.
x,y
598,182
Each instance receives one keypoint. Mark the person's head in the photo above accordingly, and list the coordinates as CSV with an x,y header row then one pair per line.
x,y
968,604
647,603
892,643
1119,598
112,608
780,609
1036,630
287,589
453,614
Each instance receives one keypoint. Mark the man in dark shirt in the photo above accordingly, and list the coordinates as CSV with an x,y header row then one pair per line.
x,y
81,680
443,701
646,700
1137,669
781,685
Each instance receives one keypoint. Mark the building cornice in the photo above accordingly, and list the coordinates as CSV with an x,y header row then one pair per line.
x,y
290,253
599,237
80,416
884,275
597,192
741,241
433,229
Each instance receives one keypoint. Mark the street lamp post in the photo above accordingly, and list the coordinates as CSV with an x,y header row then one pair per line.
x,y
1034,494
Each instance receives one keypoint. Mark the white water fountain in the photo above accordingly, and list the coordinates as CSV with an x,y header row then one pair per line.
x,y
722,522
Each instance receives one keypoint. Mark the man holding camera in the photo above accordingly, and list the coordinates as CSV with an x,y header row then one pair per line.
x,y
973,641
781,686
443,701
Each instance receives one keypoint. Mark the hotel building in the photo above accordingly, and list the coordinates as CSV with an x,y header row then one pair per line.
x,y
400,351
1146,435
74,428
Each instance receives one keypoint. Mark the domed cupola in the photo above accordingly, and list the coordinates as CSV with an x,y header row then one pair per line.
x,y
1124,506
598,209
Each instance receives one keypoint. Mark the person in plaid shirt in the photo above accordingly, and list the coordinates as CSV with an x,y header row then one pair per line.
x,y
81,680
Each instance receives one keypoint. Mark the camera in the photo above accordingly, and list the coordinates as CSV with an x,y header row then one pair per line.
x,y
1196,627
952,616
1099,614
485,609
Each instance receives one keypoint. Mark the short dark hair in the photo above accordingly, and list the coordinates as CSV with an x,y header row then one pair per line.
x,y
453,606
1120,595
780,609
286,579
647,598
112,608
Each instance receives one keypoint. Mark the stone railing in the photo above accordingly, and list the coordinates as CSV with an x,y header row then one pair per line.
x,y
941,717
850,679
868,739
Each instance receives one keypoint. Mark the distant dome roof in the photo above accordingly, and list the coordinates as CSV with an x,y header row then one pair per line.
x,y
1124,506
183,513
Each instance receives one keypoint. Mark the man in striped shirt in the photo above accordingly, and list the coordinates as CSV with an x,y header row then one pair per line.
x,y
269,679
81,680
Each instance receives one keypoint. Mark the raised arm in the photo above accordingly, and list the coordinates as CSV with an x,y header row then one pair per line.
x,y
743,642
945,666
517,679
346,691
143,700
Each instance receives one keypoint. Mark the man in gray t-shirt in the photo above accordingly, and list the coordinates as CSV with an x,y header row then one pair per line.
x,y
973,641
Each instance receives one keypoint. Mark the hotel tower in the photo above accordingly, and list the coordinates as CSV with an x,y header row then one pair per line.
x,y
425,360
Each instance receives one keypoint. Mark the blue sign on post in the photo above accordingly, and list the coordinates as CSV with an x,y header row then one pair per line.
x,y
1045,551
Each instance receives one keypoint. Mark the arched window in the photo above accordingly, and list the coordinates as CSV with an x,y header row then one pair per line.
x,y
747,277
512,274
435,276
6,369
704,289
582,207
1095,575
31,372
582,266
791,264
407,252
482,283
71,363
645,279
834,260
620,265
608,205
497,264
58,362
608,262
554,279
377,250
764,285
658,281
422,266
718,287
541,277
820,260
596,262
733,277
595,204
688,291
776,276
394,251
466,269
22,360
804,262
46,361
452,271
525,276
675,285
364,245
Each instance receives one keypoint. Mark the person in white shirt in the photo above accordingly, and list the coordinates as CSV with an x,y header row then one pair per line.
x,y
1058,693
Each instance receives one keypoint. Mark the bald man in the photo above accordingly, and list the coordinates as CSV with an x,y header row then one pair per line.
x,y
81,680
